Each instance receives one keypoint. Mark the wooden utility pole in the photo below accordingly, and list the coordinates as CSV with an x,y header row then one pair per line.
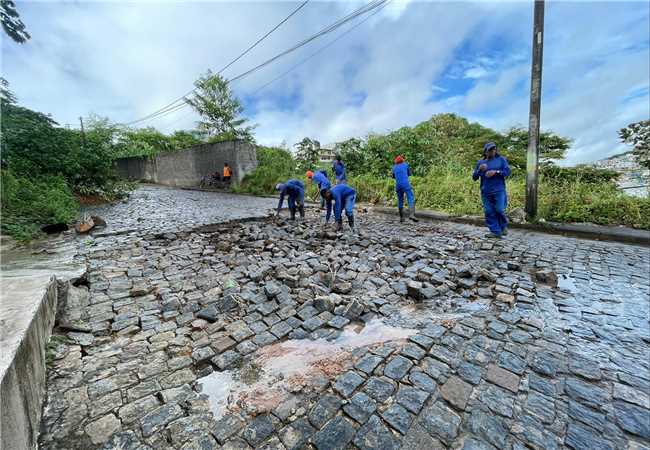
x,y
534,116
83,133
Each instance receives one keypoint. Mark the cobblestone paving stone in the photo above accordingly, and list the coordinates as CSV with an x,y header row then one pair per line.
x,y
501,358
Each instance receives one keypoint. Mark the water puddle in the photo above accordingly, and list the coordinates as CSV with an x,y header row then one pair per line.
x,y
276,371
566,283
419,315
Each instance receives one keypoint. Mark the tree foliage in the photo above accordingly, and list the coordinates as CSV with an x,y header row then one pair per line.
x,y
307,153
443,138
638,135
11,22
5,93
219,108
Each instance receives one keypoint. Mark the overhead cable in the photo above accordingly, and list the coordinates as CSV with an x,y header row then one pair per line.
x,y
171,105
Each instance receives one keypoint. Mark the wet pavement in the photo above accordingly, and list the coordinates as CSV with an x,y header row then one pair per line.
x,y
265,334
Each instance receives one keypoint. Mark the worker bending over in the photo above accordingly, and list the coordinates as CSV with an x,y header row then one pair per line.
x,y
343,197
401,173
295,192
320,178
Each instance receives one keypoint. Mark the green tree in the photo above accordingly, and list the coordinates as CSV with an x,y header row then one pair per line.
x,y
219,108
638,135
182,139
11,23
308,153
6,96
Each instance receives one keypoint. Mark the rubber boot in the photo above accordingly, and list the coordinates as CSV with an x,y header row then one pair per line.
x,y
293,214
351,222
401,215
412,214
339,225
301,210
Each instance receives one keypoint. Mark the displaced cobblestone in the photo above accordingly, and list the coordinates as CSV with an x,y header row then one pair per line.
x,y
498,356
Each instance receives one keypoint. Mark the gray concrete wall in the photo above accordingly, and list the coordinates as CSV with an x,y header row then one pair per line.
x,y
185,168
22,388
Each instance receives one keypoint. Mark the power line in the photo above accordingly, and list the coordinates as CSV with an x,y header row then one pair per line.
x,y
241,55
291,69
320,49
337,24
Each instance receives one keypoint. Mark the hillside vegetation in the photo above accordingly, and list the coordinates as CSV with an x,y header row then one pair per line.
x,y
442,152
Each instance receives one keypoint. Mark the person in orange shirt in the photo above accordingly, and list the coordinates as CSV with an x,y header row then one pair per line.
x,y
227,173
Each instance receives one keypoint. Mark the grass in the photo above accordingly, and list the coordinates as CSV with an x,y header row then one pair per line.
x,y
564,196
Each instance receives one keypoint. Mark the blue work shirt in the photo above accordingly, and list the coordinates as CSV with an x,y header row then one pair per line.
x,y
340,194
401,174
321,180
497,182
294,189
339,170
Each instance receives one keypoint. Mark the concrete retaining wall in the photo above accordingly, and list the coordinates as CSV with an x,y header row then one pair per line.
x,y
22,389
186,168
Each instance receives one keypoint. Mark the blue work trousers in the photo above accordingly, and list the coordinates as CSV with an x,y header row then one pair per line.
x,y
349,204
410,198
494,205
293,199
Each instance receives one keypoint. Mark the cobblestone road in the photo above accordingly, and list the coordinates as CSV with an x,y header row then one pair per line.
x,y
481,347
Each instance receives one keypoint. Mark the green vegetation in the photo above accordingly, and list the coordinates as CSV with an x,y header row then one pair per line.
x,y
442,152
45,168
638,135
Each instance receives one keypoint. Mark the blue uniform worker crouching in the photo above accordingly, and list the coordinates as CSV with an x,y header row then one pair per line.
x,y
320,178
295,192
493,170
343,197
401,173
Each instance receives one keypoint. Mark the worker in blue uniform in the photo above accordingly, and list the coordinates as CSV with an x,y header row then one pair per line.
x,y
294,190
343,197
493,170
339,170
320,178
401,173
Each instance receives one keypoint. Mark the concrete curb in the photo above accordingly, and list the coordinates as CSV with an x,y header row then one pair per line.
x,y
582,230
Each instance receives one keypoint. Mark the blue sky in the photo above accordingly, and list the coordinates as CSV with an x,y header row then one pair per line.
x,y
414,59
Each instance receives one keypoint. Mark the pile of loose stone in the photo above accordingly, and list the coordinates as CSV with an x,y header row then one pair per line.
x,y
493,363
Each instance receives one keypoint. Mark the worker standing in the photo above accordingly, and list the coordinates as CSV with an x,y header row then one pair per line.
x,y
339,170
343,197
493,170
295,192
227,173
401,173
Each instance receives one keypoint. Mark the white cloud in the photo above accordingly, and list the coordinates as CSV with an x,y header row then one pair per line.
x,y
125,60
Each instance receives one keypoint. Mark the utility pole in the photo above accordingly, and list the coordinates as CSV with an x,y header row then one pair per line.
x,y
534,116
83,133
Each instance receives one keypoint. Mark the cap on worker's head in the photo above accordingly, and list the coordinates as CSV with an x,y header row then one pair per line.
x,y
399,159
309,174
489,146
279,186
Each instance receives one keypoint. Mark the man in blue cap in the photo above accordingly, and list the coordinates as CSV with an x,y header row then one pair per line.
x,y
493,170
295,192
344,197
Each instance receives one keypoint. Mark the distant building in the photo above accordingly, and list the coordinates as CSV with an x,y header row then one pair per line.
x,y
327,154
634,178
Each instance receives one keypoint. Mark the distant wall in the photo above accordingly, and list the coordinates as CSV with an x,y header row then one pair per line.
x,y
185,168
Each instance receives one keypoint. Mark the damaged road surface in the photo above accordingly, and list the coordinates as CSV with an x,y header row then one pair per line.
x,y
271,335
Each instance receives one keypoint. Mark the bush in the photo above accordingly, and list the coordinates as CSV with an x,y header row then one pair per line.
x,y
28,203
577,194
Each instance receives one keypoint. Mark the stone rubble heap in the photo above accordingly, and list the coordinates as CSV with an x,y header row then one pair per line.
x,y
502,358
